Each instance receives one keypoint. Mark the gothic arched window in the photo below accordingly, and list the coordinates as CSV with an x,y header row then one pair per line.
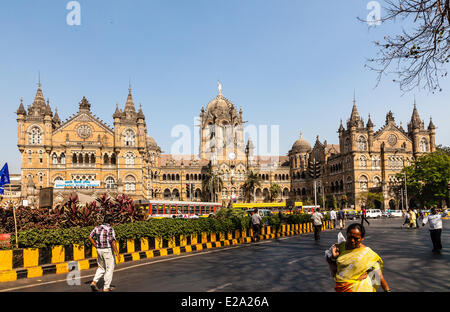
x,y
129,159
129,138
423,145
363,183
130,183
362,143
110,183
35,136
363,161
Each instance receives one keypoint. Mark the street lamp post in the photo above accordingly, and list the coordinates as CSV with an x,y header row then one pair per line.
x,y
406,193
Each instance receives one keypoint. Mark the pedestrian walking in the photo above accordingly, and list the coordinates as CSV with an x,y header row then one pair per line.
x,y
406,219
435,225
364,216
416,212
358,268
105,242
256,224
341,218
412,219
333,216
317,219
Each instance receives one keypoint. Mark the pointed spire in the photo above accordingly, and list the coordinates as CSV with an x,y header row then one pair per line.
x,y
355,115
301,134
431,126
140,112
369,123
117,112
85,105
39,101
415,118
56,118
48,109
341,127
21,109
129,105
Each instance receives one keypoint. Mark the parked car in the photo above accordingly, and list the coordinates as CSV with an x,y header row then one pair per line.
x,y
374,213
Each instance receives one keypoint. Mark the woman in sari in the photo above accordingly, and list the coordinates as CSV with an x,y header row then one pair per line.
x,y
358,268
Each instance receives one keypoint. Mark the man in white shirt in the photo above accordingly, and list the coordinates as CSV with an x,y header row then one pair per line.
x,y
435,224
317,219
333,218
256,224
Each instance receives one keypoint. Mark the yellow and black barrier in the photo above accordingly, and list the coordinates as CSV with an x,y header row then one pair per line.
x,y
34,262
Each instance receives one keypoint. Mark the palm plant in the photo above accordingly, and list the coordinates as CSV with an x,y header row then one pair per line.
x,y
250,183
212,184
275,191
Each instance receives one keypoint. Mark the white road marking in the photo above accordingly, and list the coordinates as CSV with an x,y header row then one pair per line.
x,y
220,287
293,261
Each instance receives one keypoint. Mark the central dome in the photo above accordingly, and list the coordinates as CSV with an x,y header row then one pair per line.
x,y
220,106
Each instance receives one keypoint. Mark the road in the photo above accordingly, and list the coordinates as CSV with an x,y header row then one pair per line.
x,y
291,264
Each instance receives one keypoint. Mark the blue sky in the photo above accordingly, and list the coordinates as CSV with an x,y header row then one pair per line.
x,y
290,63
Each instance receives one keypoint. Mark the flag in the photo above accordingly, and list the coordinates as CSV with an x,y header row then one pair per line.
x,y
2,190
4,175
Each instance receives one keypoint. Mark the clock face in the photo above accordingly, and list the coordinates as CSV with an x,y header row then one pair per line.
x,y
392,139
232,156
84,131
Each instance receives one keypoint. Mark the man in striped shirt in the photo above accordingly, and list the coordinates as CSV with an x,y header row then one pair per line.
x,y
105,238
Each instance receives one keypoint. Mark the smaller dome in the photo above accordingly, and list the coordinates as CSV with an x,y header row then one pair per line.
x,y
151,143
301,145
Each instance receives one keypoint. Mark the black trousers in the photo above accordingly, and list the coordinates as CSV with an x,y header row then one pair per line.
x,y
317,230
363,218
436,239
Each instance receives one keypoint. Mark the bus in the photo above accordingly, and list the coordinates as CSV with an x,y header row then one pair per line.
x,y
184,209
298,206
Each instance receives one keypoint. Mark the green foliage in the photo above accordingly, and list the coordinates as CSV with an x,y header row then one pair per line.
x,y
427,178
252,181
369,198
166,228
274,191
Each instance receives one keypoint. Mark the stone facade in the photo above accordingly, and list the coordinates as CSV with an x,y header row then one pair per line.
x,y
125,159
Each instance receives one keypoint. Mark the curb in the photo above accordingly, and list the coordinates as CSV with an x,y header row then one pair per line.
x,y
30,262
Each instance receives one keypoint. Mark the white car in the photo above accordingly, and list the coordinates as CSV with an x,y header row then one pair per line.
x,y
396,213
374,213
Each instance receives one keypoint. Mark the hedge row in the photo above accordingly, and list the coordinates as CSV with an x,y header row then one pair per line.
x,y
165,228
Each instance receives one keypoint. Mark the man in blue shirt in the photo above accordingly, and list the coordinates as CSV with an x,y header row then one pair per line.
x,y
341,218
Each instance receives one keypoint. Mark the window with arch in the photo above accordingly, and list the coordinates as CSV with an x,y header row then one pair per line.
x,y
63,158
41,177
363,161
110,183
57,179
362,143
423,145
54,159
40,157
377,181
129,158
130,183
363,183
129,138
35,136
29,156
